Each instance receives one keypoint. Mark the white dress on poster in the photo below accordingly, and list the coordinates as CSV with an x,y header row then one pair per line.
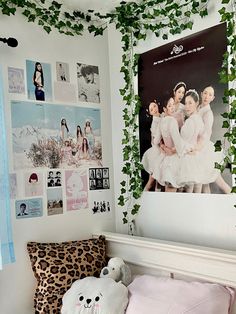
x,y
179,115
167,166
150,157
208,118
191,167
208,151
199,167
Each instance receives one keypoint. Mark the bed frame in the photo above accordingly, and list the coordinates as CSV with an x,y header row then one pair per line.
x,y
177,260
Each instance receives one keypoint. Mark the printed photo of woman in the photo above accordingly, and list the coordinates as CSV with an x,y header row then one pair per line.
x,y
39,82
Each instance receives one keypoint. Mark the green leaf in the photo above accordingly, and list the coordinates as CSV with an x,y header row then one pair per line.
x,y
40,22
178,13
227,135
187,13
31,18
218,146
203,12
225,124
135,209
47,29
225,115
165,36
125,221
189,25
218,166
56,4
121,200
123,183
25,12
233,191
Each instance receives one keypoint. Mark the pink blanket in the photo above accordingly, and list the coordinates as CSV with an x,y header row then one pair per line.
x,y
158,295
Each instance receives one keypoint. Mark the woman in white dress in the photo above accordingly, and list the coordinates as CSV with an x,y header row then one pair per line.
x,y
84,154
178,95
150,156
166,171
185,167
64,130
207,96
88,133
66,153
198,168
191,167
79,137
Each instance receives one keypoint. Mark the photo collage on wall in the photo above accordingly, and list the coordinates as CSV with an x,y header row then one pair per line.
x,y
181,100
54,144
99,178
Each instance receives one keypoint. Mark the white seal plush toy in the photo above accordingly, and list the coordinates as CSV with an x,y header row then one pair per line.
x,y
95,296
117,270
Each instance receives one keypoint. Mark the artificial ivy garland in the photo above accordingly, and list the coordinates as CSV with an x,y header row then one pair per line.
x,y
228,76
135,21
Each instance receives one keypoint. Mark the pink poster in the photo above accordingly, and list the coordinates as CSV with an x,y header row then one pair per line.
x,y
76,189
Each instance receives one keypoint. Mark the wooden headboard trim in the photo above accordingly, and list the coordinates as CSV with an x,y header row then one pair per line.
x,y
204,263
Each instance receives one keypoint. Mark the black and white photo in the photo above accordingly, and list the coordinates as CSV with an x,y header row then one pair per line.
x,y
99,178
88,83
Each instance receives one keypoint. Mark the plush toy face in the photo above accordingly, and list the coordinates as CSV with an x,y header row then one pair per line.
x,y
117,270
113,269
89,301
95,296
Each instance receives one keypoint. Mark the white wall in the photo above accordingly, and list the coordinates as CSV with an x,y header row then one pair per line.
x,y
201,219
16,280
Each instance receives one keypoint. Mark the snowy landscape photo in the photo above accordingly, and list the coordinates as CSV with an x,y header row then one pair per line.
x,y
55,136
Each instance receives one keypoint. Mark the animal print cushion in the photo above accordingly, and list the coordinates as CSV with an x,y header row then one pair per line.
x,y
57,265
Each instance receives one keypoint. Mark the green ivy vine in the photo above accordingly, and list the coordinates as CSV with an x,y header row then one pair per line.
x,y
228,76
135,21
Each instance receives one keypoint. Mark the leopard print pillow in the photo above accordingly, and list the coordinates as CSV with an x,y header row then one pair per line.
x,y
57,265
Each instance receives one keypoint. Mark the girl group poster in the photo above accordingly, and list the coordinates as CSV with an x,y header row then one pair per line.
x,y
180,117
55,136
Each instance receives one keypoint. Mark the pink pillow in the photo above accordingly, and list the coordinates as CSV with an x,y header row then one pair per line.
x,y
160,295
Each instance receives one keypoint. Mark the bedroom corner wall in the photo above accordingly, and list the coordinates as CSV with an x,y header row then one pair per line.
x,y
17,283
203,219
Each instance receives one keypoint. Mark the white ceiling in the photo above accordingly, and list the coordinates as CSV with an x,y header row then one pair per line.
x,y
101,6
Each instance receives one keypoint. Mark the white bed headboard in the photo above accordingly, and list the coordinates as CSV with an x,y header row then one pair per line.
x,y
149,255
